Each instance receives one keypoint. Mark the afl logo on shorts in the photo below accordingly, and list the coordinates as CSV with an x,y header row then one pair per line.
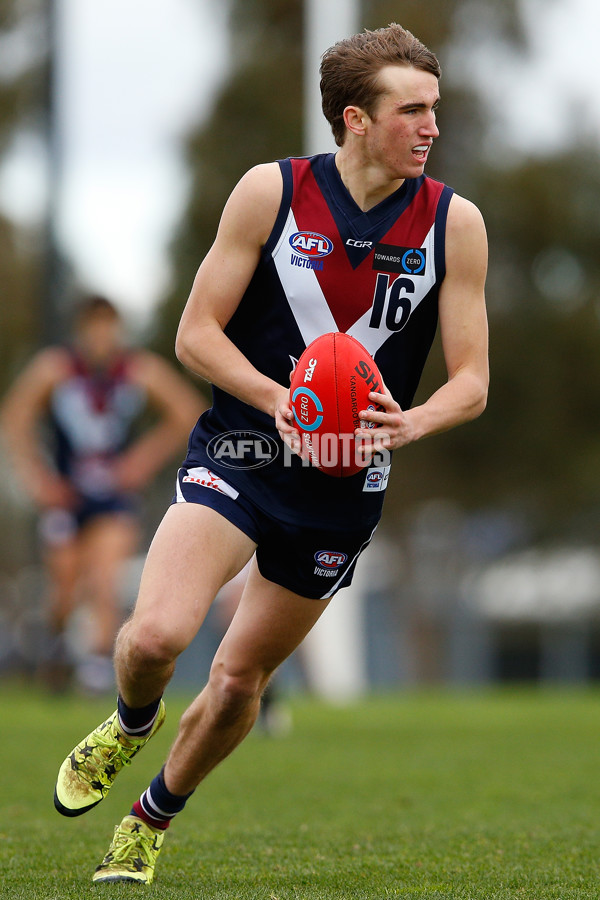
x,y
311,244
330,559
242,449
377,479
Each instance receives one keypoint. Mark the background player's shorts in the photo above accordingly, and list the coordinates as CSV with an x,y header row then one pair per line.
x,y
312,562
57,526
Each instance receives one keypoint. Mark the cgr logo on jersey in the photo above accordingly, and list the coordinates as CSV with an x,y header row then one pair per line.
x,y
361,244
404,260
310,247
328,562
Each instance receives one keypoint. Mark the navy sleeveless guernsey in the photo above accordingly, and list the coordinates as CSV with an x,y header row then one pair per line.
x,y
329,266
91,416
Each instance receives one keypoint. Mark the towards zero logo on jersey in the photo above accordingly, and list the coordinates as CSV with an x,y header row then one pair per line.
x,y
404,260
311,244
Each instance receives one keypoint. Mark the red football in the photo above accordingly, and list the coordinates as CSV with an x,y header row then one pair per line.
x,y
329,387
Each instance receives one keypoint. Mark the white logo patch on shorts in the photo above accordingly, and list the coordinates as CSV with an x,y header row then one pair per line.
x,y
204,477
377,479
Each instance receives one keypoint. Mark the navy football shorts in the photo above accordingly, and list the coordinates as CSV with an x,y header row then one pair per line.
x,y
57,526
309,561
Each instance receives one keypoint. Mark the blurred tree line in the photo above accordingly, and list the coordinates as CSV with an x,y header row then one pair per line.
x,y
23,71
24,120
535,452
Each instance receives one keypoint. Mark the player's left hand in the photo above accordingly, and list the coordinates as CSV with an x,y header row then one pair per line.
x,y
284,422
394,429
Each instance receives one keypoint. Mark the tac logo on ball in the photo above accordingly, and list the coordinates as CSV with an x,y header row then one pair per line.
x,y
311,244
307,409
330,559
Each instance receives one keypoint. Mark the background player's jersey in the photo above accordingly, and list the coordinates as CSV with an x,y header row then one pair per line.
x,y
328,266
91,416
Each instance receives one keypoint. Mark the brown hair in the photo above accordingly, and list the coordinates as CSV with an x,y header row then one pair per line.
x,y
350,69
95,306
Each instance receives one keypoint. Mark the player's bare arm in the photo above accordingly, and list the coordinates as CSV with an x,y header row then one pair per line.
x,y
23,407
222,278
177,406
464,334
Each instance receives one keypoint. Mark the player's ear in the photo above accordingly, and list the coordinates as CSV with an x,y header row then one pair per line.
x,y
355,119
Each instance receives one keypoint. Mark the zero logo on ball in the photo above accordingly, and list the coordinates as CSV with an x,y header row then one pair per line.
x,y
307,409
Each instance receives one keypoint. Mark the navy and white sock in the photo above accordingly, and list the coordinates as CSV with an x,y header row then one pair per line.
x,y
137,722
157,805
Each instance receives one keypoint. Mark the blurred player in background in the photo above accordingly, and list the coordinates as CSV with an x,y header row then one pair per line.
x,y
400,251
69,422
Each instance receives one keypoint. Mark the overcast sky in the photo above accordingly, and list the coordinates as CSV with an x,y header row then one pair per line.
x,y
136,75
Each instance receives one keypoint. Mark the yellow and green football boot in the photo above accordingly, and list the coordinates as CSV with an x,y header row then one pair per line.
x,y
87,774
132,854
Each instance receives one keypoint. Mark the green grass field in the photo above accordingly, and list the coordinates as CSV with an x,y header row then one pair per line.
x,y
478,795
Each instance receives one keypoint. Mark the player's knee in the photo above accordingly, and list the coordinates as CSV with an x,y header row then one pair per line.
x,y
144,647
234,692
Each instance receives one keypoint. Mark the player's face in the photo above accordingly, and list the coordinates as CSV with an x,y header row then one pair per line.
x,y
100,339
402,129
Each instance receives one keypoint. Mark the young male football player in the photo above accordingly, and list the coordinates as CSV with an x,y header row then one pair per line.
x,y
400,251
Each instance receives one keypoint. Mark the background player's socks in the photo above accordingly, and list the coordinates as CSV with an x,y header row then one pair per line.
x,y
158,805
137,721
95,674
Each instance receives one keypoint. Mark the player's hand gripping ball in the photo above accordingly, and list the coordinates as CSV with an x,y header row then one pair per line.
x,y
329,387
